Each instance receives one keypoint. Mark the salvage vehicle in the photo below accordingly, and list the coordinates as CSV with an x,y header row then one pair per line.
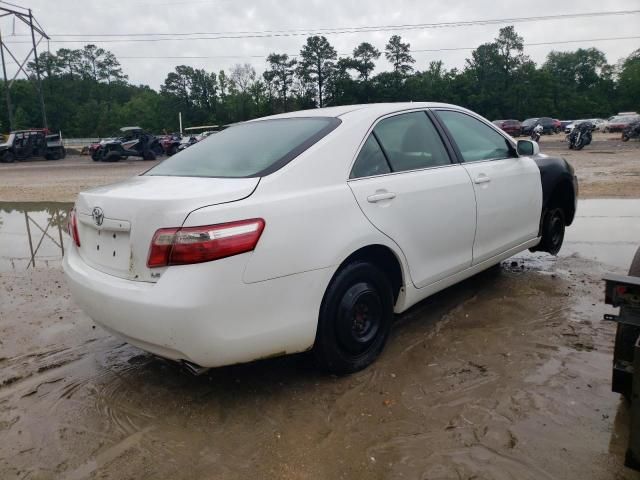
x,y
135,142
308,230
624,292
512,127
549,125
38,142
618,123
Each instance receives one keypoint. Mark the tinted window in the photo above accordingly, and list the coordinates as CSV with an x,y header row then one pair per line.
x,y
248,149
410,141
475,140
370,161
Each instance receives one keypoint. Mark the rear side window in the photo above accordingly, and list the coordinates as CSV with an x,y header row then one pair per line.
x,y
371,161
410,142
249,149
476,141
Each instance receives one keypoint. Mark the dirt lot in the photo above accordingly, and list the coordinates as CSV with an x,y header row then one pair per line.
x,y
505,376
607,168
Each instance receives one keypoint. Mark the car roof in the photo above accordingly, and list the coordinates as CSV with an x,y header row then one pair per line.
x,y
372,110
127,129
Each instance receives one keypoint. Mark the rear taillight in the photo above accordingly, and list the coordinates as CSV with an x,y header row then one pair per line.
x,y
72,227
181,246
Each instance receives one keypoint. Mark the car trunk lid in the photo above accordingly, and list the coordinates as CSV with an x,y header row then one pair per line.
x,y
116,222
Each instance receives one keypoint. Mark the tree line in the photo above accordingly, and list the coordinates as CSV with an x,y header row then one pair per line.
x,y
88,94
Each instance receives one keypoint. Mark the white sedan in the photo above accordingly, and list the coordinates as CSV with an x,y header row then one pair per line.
x,y
308,230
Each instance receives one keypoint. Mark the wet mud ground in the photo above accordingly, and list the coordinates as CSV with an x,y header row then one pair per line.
x,y
504,376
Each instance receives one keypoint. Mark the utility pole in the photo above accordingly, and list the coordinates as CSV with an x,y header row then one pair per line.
x,y
35,59
24,15
6,88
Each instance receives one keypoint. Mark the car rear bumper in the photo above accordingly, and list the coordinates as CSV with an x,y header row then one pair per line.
x,y
203,313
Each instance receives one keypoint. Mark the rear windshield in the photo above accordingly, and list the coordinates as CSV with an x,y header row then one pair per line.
x,y
250,149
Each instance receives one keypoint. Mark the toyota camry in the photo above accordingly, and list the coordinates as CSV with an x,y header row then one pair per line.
x,y
309,231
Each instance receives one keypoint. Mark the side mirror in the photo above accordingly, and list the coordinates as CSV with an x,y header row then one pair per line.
x,y
528,148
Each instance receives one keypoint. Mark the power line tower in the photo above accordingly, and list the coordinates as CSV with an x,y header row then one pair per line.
x,y
24,15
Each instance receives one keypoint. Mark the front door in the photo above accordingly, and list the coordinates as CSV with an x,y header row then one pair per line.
x,y
508,188
407,186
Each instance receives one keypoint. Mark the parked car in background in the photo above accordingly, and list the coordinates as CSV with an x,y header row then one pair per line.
x,y
557,126
564,123
549,126
308,230
512,127
571,126
617,123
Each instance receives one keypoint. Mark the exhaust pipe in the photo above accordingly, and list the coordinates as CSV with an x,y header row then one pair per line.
x,y
194,369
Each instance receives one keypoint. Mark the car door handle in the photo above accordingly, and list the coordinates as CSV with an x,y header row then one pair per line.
x,y
482,178
378,197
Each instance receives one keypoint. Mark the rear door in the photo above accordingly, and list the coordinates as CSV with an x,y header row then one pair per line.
x,y
508,188
406,184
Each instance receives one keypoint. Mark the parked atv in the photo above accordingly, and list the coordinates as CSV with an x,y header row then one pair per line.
x,y
631,131
170,143
24,144
134,142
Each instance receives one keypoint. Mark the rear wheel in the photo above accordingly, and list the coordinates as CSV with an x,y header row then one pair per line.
x,y
553,227
8,157
355,319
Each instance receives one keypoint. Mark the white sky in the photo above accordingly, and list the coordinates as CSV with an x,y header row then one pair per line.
x,y
183,16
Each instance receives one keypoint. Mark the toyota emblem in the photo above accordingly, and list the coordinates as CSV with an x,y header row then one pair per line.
x,y
98,215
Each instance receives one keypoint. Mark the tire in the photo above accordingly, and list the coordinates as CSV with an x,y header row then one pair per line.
x,y
149,155
579,144
625,138
355,319
8,157
95,156
626,336
553,227
55,155
172,150
111,157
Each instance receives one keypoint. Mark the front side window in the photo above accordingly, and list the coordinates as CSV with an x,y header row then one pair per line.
x,y
248,149
476,141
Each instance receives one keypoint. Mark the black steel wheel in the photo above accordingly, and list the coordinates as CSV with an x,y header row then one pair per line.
x,y
553,227
355,319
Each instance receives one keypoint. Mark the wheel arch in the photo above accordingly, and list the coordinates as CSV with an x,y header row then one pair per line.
x,y
563,196
383,257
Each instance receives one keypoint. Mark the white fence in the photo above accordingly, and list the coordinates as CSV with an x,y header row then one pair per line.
x,y
78,142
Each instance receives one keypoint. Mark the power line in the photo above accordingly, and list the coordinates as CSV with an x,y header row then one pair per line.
x,y
185,36
420,50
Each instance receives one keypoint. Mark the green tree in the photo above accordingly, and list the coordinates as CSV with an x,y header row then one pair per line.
x,y
317,63
364,56
629,83
397,53
280,74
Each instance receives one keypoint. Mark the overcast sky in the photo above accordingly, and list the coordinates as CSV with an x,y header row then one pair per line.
x,y
87,17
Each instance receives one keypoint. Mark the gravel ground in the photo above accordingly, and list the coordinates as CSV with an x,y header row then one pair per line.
x,y
607,168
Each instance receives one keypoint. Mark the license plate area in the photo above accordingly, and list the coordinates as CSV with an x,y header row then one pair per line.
x,y
106,247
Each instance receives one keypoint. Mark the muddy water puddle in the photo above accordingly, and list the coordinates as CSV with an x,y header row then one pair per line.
x,y
506,375
32,234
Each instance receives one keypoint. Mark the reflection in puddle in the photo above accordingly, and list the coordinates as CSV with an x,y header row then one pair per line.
x,y
32,234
